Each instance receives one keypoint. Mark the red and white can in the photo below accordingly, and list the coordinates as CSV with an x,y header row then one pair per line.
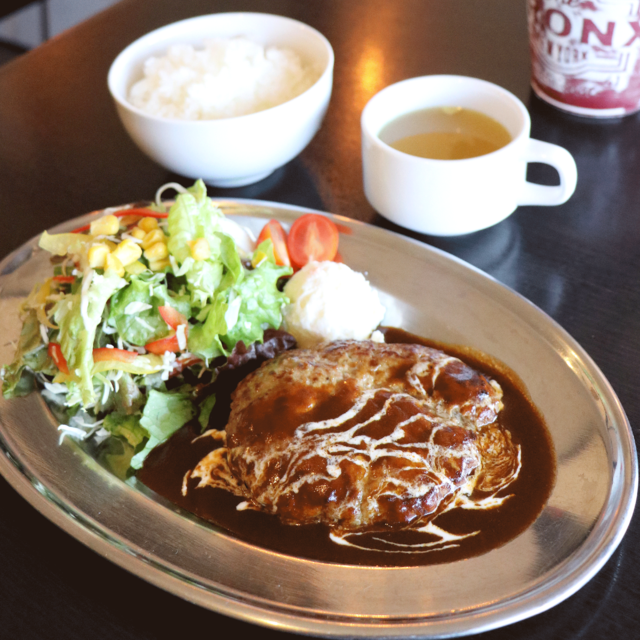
x,y
585,55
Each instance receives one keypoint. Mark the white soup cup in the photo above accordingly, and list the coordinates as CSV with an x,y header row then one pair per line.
x,y
453,197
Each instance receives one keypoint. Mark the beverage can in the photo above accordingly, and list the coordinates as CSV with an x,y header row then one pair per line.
x,y
585,55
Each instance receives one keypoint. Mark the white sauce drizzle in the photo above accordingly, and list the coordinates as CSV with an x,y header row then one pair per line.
x,y
323,440
417,547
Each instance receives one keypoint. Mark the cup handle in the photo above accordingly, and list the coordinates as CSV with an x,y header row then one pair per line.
x,y
561,160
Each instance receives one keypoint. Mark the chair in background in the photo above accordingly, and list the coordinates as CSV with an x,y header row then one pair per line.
x,y
7,7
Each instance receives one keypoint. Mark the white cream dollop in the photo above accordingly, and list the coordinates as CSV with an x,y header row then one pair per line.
x,y
330,301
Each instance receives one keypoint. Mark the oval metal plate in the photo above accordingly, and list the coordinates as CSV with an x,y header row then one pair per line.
x,y
427,292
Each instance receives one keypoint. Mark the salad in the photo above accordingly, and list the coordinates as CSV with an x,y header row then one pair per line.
x,y
143,309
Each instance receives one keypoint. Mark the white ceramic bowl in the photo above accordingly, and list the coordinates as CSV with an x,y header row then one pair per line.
x,y
226,152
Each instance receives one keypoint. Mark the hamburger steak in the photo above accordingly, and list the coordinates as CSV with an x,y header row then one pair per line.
x,y
363,436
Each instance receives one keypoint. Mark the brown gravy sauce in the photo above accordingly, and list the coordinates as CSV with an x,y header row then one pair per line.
x,y
167,464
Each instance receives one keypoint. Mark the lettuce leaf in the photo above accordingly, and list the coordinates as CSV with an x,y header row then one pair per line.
x,y
194,216
78,329
204,338
141,325
260,304
163,414
250,303
128,398
127,437
31,355
205,411
127,427
234,271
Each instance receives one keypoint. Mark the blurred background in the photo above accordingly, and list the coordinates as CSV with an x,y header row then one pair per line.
x,y
25,25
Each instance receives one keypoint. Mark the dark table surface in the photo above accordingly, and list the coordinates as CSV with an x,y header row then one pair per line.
x,y
63,153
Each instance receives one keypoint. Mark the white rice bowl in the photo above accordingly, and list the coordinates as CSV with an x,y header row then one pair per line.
x,y
228,77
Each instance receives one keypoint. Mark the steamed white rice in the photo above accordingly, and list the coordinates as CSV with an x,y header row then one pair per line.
x,y
229,77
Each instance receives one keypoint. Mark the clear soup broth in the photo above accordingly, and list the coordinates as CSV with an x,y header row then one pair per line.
x,y
445,133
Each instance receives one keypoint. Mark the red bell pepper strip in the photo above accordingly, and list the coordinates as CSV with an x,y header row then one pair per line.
x,y
174,319
55,353
169,343
172,316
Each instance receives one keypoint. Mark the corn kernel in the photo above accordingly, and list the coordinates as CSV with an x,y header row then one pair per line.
x,y
97,255
258,257
135,268
105,226
158,265
157,251
127,252
128,220
200,249
114,265
156,235
148,224
137,233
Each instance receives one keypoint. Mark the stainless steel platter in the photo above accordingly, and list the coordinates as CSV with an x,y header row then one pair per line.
x,y
428,293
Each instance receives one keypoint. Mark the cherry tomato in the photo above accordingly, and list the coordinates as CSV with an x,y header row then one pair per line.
x,y
273,231
169,343
172,316
55,353
312,237
119,355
